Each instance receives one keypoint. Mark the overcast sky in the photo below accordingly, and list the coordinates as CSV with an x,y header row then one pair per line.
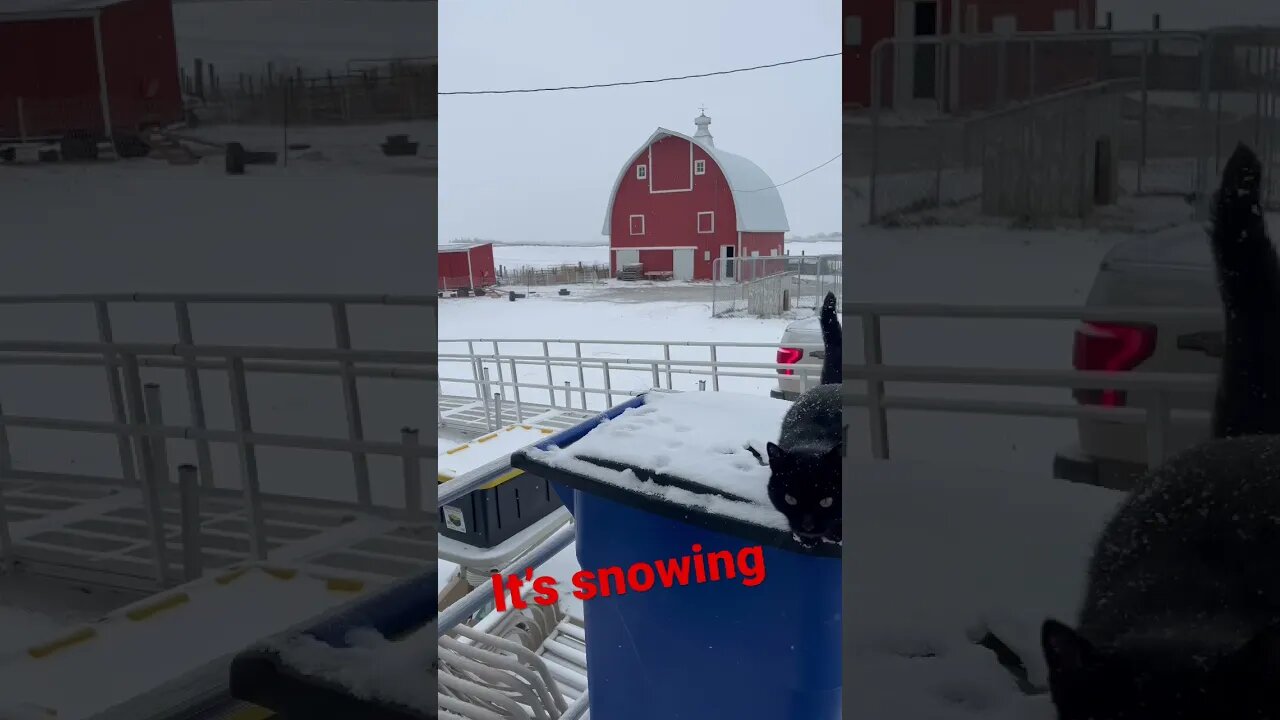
x,y
539,167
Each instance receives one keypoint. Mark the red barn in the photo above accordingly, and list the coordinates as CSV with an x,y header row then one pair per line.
x,y
911,71
97,66
680,202
465,266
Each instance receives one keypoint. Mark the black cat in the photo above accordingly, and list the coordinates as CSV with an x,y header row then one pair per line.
x,y
1179,620
805,474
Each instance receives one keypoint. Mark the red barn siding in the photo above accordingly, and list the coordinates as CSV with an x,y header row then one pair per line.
x,y
452,270
657,260
142,63
470,268
52,66
483,273
671,218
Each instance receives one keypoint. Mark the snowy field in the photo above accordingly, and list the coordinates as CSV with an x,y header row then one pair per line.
x,y
515,256
316,35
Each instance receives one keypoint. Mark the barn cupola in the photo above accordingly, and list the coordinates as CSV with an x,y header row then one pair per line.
x,y
703,135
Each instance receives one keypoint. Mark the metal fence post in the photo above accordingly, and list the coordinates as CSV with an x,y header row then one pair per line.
x,y
879,421
1143,129
189,491
666,355
1206,134
150,485
159,443
546,355
484,395
497,412
128,467
515,392
195,396
248,459
582,377
877,80
351,398
7,555
715,370
608,386
412,472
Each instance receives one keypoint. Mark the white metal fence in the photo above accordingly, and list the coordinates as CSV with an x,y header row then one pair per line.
x,y
533,376
770,286
1192,97
143,435
872,373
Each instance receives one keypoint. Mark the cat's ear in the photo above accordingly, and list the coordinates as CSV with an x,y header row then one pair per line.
x,y
775,453
1065,651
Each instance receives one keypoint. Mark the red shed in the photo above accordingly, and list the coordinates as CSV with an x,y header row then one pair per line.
x,y
680,202
465,266
98,66
911,71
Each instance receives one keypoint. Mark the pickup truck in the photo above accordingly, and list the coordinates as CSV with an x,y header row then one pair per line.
x,y
1168,269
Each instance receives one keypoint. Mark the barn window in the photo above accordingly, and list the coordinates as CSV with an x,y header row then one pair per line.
x,y
699,167
706,222
642,172
637,223
853,31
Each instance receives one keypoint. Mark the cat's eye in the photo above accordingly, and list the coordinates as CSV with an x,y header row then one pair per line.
x,y
788,500
825,502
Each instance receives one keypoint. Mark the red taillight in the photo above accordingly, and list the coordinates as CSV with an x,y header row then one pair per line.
x,y
789,356
1114,348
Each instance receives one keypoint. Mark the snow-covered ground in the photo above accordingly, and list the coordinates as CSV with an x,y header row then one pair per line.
x,y
603,314
947,555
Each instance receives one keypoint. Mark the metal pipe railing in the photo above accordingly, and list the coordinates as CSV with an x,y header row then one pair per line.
x,y
472,602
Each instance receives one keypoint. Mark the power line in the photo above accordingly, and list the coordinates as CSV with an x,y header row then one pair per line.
x,y
806,172
639,82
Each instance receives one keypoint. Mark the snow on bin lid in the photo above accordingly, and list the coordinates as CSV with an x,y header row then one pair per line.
x,y
697,437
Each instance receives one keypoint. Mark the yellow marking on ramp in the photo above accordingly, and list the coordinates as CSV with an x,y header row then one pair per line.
x,y
148,611
62,643
344,585
281,573
231,577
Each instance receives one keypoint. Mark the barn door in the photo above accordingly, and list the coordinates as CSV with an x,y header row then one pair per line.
x,y
627,257
682,264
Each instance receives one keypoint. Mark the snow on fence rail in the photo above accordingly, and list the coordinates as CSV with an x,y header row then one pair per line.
x,y
1156,417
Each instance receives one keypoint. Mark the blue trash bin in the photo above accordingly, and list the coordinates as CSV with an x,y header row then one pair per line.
x,y
702,651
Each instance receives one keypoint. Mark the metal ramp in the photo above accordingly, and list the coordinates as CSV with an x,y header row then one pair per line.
x,y
100,534
470,414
